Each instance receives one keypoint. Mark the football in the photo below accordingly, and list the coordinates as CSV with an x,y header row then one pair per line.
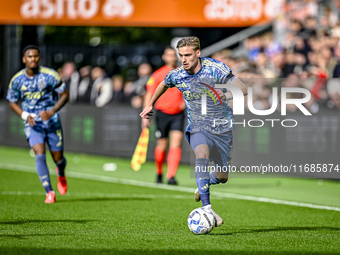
x,y
201,221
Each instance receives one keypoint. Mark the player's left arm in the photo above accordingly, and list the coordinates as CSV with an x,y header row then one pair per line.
x,y
239,84
227,77
63,99
227,95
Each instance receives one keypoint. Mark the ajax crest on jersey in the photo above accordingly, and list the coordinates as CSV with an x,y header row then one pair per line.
x,y
201,221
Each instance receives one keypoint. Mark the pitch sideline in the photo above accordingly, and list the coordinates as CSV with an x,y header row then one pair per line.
x,y
92,177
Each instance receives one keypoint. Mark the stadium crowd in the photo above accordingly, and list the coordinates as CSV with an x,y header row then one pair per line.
x,y
93,85
302,50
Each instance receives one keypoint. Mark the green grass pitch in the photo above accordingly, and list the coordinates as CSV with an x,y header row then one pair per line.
x,y
124,212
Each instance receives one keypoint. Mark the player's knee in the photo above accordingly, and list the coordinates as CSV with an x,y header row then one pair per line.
x,y
223,180
201,155
162,143
202,151
38,149
58,159
57,156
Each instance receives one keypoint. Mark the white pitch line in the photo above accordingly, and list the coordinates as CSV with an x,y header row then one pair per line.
x,y
108,179
22,193
101,195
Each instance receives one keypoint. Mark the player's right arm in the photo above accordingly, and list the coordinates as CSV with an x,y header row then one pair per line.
x,y
13,96
147,97
147,111
24,115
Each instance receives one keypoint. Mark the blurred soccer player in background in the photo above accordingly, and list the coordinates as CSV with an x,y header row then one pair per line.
x,y
196,77
169,119
43,94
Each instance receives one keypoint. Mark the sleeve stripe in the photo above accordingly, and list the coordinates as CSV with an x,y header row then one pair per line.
x,y
14,77
175,70
50,72
211,63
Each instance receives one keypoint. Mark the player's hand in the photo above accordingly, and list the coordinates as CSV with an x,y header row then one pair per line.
x,y
45,115
147,112
146,123
220,94
30,120
182,106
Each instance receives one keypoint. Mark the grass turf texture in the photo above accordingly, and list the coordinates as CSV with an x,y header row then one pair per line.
x,y
101,217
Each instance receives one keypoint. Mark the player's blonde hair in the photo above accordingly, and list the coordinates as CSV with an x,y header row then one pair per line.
x,y
189,41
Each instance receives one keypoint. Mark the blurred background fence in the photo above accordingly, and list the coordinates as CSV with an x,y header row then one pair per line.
x,y
114,130
121,42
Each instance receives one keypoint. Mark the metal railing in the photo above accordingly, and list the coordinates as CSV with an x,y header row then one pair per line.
x,y
235,39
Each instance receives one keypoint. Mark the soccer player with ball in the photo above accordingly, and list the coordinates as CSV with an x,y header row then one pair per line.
x,y
43,94
196,79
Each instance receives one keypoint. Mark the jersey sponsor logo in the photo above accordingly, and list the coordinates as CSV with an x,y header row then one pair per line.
x,y
34,95
192,95
197,95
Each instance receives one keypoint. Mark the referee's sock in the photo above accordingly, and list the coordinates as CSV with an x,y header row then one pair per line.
x,y
174,158
43,172
159,160
203,179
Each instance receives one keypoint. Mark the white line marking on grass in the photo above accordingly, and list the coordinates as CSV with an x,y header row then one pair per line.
x,y
108,179
101,195
22,193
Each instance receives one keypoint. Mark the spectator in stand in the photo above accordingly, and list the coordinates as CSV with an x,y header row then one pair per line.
x,y
311,27
101,92
144,73
262,65
130,95
326,61
139,86
117,88
300,46
71,78
85,85
278,62
254,47
296,27
334,95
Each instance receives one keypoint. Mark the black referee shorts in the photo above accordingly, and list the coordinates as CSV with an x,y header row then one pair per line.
x,y
167,122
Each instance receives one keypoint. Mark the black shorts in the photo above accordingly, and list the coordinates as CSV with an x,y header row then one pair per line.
x,y
167,122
